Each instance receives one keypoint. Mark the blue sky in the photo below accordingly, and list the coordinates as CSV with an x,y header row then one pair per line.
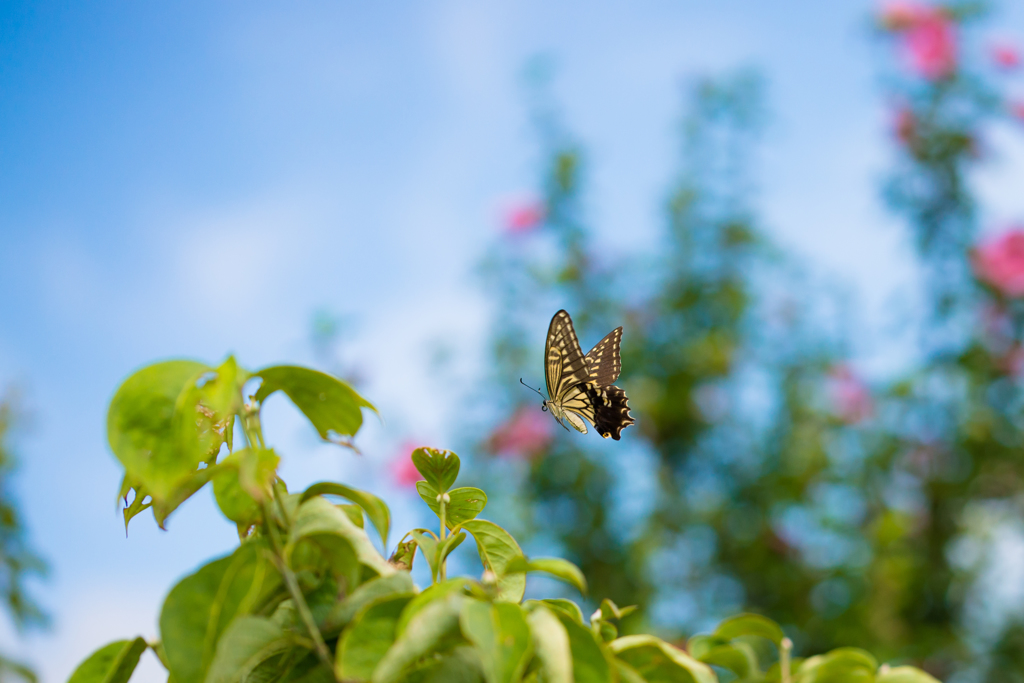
x,y
193,179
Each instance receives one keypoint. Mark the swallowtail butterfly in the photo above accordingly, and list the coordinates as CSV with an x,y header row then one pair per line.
x,y
580,387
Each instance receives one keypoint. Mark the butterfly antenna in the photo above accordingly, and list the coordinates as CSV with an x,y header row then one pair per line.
x,y
529,387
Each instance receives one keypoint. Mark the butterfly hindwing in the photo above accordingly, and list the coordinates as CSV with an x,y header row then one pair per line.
x,y
611,411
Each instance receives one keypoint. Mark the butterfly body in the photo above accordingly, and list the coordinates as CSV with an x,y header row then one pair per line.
x,y
580,388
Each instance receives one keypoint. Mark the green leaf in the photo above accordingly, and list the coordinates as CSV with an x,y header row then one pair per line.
x,y
556,567
502,637
343,612
429,546
202,605
205,410
609,610
465,503
404,554
436,592
739,658
234,492
700,645
311,670
627,674
320,521
355,514
562,606
141,425
905,674
434,550
460,665
656,660
750,625
246,644
374,507
182,491
433,625
440,468
590,662
551,645
112,663
842,665
366,640
497,549
451,543
140,502
327,402
606,630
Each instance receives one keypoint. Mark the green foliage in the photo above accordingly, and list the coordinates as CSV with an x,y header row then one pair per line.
x,y
18,561
306,597
112,663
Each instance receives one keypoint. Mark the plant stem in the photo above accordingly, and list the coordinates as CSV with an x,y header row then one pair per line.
x,y
253,434
442,571
784,649
293,589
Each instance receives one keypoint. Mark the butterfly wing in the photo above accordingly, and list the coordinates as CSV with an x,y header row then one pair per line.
x,y
611,411
604,361
610,406
564,364
577,407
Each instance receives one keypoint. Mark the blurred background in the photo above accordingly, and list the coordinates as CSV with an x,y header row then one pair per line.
x,y
807,216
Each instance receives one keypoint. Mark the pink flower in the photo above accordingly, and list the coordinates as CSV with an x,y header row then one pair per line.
x,y
403,472
900,15
930,46
1005,55
524,435
524,216
850,397
999,262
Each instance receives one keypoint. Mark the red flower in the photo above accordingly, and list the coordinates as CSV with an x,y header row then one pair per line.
x,y
930,45
403,472
524,435
1005,55
999,262
851,398
524,216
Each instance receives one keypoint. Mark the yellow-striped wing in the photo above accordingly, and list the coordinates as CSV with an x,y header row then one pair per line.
x,y
564,365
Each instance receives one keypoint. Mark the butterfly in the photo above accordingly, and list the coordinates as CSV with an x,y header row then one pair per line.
x,y
580,387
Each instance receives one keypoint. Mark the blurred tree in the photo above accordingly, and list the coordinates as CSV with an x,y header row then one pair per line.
x,y
763,472
18,561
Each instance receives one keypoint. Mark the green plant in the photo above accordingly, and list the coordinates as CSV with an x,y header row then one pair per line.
x,y
18,560
307,596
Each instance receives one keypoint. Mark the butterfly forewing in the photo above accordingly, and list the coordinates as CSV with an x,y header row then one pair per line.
x,y
603,361
565,363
